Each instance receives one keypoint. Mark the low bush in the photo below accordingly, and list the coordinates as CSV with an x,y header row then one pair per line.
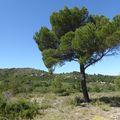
x,y
101,87
16,110
42,89
57,85
94,87
117,83
77,101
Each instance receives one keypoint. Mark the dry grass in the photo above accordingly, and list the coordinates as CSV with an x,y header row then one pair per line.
x,y
63,108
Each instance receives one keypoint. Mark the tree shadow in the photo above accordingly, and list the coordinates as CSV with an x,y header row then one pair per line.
x,y
112,101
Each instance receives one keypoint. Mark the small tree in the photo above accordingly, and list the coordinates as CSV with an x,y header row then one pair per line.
x,y
78,36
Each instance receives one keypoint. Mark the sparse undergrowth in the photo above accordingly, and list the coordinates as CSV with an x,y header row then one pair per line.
x,y
58,97
72,107
17,110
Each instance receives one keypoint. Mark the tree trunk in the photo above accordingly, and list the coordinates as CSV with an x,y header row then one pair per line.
x,y
83,84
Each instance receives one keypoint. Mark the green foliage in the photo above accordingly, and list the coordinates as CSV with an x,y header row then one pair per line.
x,y
76,85
77,35
31,82
22,86
48,59
21,109
69,82
105,101
59,87
84,38
101,87
56,85
117,83
46,36
67,20
94,87
116,20
66,42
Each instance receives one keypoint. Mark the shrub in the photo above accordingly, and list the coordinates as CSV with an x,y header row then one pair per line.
x,y
57,86
20,86
94,87
101,87
42,89
77,101
117,83
77,85
22,109
96,102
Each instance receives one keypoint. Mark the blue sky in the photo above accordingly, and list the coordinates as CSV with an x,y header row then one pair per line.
x,y
20,19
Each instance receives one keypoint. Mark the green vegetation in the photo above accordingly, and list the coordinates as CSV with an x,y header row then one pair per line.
x,y
78,36
56,85
20,109
75,35
117,83
48,90
42,82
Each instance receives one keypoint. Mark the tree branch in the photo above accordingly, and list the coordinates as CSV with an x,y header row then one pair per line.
x,y
99,58
94,61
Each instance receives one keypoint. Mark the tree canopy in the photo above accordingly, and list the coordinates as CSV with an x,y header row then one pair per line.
x,y
77,35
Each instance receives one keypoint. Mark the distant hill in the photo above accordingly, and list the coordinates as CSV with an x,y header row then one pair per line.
x,y
32,73
21,72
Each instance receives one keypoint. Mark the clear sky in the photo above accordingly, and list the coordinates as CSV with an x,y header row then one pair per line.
x,y
20,19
